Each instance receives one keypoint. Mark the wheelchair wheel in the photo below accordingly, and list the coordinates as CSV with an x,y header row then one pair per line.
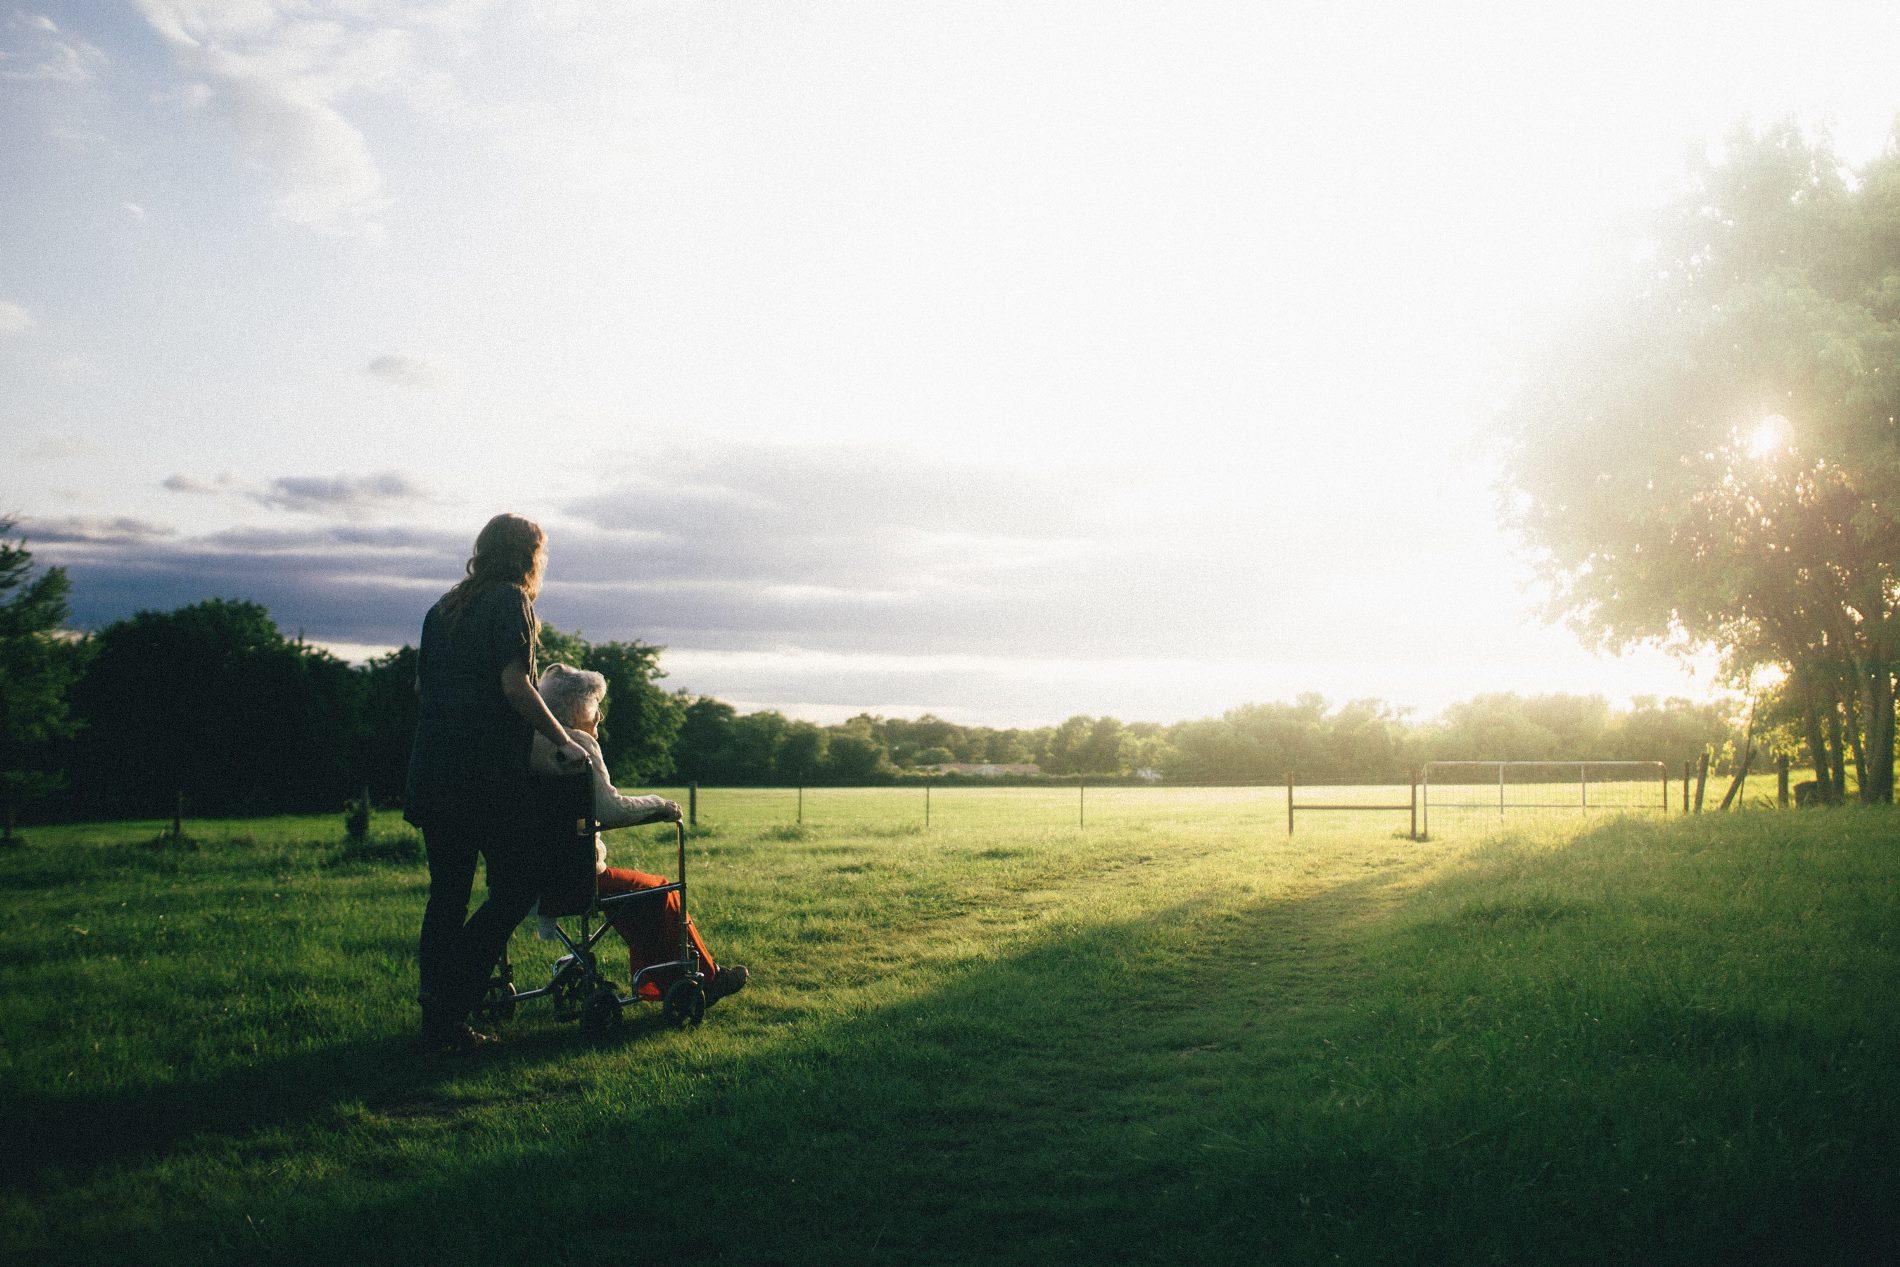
x,y
497,1004
600,1015
685,1002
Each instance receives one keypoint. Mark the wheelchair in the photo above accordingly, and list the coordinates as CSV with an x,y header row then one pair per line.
x,y
562,808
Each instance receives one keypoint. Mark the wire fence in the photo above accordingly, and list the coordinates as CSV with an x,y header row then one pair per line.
x,y
1460,798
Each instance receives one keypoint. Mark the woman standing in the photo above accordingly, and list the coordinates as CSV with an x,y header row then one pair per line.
x,y
468,773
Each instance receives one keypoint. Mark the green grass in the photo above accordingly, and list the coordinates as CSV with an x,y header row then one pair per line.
x,y
1178,1035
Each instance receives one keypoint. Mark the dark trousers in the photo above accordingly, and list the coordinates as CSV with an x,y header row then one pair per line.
x,y
458,957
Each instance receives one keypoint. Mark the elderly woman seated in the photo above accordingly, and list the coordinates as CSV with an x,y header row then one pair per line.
x,y
651,931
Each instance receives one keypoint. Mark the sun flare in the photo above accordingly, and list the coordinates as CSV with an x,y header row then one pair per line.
x,y
1770,436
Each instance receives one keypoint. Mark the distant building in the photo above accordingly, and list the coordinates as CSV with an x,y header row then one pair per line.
x,y
982,770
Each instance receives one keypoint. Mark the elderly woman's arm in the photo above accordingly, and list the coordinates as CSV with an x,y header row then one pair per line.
x,y
613,809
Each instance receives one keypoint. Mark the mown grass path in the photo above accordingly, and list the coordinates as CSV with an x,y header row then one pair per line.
x,y
1153,1041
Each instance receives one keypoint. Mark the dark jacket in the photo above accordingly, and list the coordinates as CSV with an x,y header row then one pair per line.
x,y
470,760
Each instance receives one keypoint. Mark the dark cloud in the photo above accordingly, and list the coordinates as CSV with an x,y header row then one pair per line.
x,y
308,494
79,530
827,550
313,494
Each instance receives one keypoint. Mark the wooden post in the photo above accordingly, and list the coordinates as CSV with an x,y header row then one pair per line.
x,y
1665,781
801,805
1583,786
1735,793
1686,767
1289,802
1781,781
1701,779
1415,805
692,804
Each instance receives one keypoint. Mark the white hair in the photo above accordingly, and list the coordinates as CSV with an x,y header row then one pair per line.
x,y
572,695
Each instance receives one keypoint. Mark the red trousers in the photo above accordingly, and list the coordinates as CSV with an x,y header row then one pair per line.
x,y
651,929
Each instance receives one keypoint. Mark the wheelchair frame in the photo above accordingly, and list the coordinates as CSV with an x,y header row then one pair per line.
x,y
578,988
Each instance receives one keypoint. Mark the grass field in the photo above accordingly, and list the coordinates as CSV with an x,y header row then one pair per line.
x,y
1175,1035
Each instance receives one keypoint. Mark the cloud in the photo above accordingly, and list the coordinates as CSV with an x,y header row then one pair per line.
x,y
198,485
406,371
281,73
313,494
307,494
53,449
45,54
134,210
79,530
832,554
15,319
292,77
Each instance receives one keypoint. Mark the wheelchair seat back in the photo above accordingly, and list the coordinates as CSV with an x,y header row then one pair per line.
x,y
563,815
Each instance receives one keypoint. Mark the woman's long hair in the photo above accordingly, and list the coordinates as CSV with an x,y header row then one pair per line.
x,y
510,550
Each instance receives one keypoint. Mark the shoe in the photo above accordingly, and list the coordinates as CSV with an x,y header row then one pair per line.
x,y
439,1038
727,981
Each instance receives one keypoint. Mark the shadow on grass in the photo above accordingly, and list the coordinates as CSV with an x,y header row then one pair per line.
x,y
58,1140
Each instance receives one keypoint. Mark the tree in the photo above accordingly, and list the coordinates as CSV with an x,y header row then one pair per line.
x,y
37,669
211,700
1709,455
641,720
704,735
854,753
752,746
1067,746
801,755
638,721
1101,752
387,731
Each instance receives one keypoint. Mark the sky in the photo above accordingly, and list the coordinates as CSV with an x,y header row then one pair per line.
x,y
1004,361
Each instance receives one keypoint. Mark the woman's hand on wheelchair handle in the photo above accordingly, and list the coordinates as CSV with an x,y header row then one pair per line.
x,y
570,754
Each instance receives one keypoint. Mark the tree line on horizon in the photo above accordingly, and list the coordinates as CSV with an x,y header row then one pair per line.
x,y
213,701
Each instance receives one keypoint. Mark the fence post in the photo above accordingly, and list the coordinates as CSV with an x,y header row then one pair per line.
x,y
1685,787
1583,786
1289,802
692,804
801,805
1781,781
1701,779
1415,805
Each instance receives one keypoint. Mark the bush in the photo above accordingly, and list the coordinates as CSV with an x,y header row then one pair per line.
x,y
356,818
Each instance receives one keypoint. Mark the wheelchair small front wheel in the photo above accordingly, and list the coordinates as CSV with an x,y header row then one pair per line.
x,y
685,1002
497,1003
600,1014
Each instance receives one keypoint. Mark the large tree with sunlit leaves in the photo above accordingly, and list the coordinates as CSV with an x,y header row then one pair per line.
x,y
1709,452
